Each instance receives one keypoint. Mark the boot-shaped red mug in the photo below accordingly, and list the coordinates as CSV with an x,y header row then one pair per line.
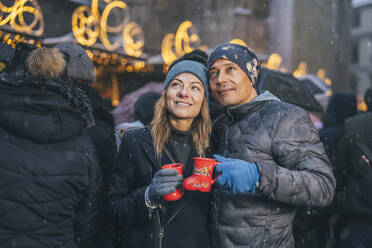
x,y
179,191
202,175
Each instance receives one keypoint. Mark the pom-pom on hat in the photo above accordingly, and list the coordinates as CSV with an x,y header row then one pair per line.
x,y
244,57
195,68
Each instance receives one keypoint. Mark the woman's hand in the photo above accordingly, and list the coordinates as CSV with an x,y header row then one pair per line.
x,y
165,181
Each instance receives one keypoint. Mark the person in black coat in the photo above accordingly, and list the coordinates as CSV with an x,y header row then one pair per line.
x,y
353,170
311,224
179,131
80,70
341,106
50,180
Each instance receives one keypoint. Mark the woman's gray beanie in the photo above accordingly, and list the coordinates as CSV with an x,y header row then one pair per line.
x,y
192,67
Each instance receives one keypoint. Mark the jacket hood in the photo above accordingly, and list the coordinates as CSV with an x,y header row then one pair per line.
x,y
43,110
265,96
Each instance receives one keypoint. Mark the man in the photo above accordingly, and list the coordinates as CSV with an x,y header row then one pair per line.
x,y
353,171
271,157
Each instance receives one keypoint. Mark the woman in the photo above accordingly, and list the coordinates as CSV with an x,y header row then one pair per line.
x,y
179,131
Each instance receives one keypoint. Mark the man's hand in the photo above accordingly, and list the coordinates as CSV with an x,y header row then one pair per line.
x,y
237,175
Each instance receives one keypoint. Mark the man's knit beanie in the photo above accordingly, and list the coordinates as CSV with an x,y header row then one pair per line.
x,y
244,57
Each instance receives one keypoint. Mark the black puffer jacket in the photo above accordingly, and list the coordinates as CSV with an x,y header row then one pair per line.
x,y
103,136
50,180
354,175
184,222
294,171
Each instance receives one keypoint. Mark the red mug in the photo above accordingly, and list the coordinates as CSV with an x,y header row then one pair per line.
x,y
179,191
202,175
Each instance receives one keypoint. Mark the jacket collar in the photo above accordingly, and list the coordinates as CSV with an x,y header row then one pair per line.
x,y
147,145
238,112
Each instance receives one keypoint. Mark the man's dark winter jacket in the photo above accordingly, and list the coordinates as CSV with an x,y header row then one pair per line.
x,y
50,180
184,222
353,174
294,171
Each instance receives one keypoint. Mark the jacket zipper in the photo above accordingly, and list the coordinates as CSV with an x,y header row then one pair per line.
x,y
161,235
162,228
226,142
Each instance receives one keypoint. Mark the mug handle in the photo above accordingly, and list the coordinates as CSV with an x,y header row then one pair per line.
x,y
215,179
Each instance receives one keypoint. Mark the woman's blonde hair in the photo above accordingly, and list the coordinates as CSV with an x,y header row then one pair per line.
x,y
201,127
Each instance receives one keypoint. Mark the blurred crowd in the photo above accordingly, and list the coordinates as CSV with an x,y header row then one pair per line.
x,y
59,142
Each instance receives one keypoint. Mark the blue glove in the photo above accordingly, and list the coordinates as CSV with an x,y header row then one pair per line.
x,y
237,175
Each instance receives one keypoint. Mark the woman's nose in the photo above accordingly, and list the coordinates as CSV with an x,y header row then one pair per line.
x,y
183,92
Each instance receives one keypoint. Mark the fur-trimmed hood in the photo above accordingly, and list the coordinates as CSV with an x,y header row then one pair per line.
x,y
41,109
101,108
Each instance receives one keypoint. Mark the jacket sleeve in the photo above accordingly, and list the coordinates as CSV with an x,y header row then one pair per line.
x,y
302,175
126,197
90,205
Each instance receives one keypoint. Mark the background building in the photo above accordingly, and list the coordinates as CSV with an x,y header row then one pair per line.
x,y
130,41
361,51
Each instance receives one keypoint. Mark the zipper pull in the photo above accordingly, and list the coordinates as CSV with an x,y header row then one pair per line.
x,y
161,233
150,213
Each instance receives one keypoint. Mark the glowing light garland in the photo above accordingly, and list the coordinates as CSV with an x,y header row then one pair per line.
x,y
121,63
184,41
14,16
13,39
88,25
133,39
238,41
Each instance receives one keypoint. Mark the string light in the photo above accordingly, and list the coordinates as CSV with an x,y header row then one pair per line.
x,y
238,41
322,74
123,64
301,69
105,28
133,39
15,17
13,39
88,25
184,41
274,61
167,49
84,26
